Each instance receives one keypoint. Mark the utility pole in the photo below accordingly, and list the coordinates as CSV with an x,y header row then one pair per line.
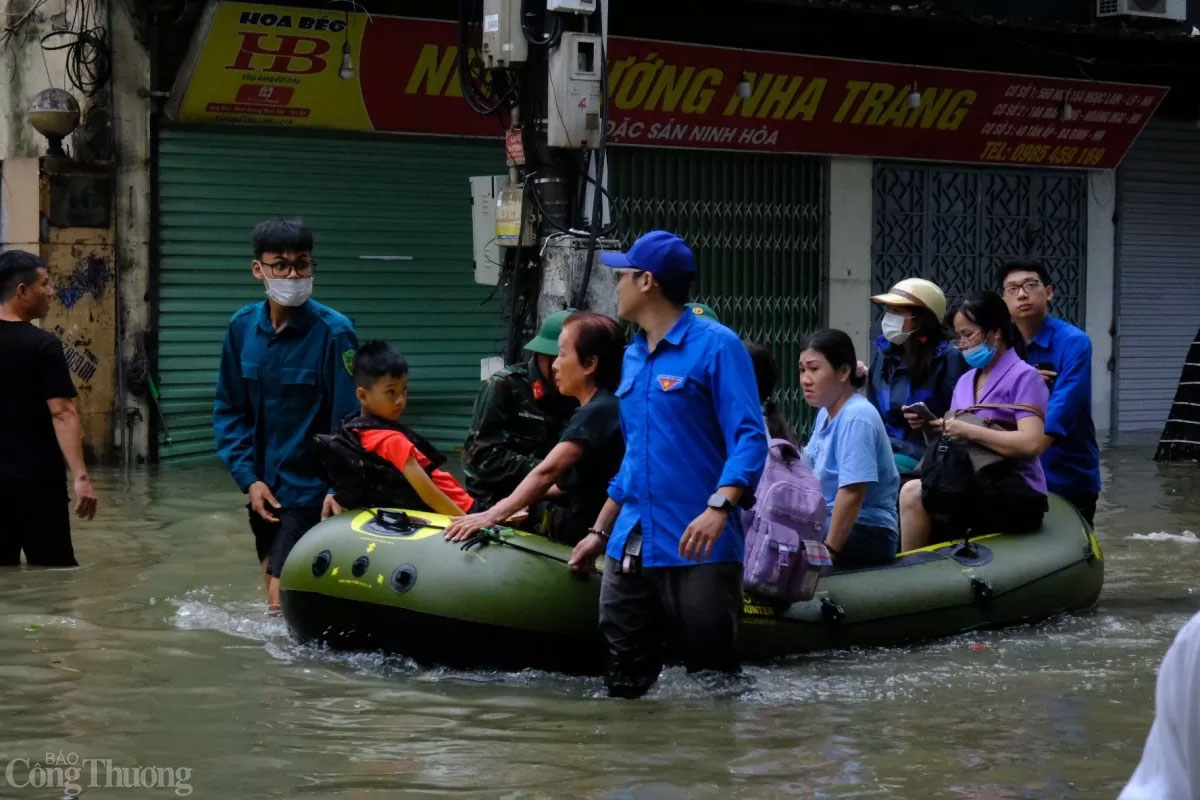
x,y
541,66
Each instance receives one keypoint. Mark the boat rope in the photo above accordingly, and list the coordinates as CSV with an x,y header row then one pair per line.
x,y
493,535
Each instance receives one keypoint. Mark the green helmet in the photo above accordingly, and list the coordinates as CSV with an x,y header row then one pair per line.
x,y
546,341
701,310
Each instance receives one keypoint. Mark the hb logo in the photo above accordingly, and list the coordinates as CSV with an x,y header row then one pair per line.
x,y
295,55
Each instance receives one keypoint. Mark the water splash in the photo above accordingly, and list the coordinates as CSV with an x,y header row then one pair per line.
x,y
1163,536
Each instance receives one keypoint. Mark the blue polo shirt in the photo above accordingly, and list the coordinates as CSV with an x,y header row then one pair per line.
x,y
276,390
692,423
1072,463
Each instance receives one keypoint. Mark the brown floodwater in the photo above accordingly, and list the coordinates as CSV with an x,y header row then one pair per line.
x,y
154,664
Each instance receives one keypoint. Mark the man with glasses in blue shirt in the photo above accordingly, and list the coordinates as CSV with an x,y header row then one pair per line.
x,y
1062,353
695,446
285,376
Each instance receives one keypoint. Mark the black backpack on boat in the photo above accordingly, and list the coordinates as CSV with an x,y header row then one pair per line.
x,y
362,479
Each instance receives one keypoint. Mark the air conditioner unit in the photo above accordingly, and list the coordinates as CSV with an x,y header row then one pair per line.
x,y
1175,10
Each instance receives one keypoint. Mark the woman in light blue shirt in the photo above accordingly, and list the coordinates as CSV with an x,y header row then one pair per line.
x,y
850,454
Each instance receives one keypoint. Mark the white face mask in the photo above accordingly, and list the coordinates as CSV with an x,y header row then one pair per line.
x,y
893,328
290,291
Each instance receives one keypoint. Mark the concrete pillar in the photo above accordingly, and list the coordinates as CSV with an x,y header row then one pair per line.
x,y
1099,308
131,135
848,281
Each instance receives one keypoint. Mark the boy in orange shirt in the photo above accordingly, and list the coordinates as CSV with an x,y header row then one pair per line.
x,y
400,469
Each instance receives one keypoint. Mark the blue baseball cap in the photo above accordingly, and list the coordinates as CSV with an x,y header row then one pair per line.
x,y
661,253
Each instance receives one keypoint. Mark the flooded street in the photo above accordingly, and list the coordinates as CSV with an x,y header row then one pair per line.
x,y
157,653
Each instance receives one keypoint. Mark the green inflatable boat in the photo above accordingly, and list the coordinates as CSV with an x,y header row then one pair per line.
x,y
386,580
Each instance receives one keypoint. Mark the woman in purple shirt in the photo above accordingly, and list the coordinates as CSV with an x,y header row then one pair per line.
x,y
994,349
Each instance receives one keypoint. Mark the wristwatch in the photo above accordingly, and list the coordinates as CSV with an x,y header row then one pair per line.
x,y
720,502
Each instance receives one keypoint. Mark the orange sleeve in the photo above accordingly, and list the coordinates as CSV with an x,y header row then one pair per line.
x,y
392,445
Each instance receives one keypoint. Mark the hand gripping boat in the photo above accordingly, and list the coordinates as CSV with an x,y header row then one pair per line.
x,y
386,580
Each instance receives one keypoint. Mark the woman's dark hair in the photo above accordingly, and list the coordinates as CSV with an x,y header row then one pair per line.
x,y
989,311
838,350
601,338
926,339
375,360
766,375
279,235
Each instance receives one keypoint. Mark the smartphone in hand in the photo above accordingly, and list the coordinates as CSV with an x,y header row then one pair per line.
x,y
921,410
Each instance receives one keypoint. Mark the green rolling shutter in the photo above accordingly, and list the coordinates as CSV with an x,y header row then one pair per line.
x,y
756,223
392,219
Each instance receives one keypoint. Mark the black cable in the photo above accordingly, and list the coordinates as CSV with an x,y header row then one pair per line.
x,y
88,58
547,40
598,195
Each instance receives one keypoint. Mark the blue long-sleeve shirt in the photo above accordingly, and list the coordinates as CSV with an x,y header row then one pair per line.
x,y
275,390
890,387
1072,463
692,423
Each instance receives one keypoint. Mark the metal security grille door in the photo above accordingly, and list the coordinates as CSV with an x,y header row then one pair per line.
x,y
756,225
1158,306
393,246
955,226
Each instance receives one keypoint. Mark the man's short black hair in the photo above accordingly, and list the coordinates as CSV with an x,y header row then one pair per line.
x,y
376,360
279,235
1024,266
17,267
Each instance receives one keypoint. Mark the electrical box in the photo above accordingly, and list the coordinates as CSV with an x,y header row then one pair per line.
x,y
574,101
572,6
483,227
1169,10
504,42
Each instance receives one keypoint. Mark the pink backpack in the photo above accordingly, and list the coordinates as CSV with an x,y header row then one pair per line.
x,y
785,530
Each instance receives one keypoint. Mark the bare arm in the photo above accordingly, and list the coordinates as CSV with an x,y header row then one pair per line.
x,y
846,504
429,493
69,432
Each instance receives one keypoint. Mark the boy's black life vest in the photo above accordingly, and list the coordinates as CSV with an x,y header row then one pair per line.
x,y
362,479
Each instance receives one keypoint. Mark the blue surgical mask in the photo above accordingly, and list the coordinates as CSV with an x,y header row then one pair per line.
x,y
979,356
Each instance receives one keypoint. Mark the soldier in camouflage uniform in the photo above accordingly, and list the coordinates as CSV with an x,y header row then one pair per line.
x,y
519,416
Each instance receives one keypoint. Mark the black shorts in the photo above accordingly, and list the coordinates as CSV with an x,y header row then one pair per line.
x,y
36,519
274,540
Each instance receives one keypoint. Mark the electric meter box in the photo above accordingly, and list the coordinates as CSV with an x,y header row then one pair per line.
x,y
572,6
574,101
503,42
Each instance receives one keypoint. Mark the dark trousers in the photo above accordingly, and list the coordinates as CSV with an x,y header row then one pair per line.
x,y
689,613
275,540
1084,503
36,519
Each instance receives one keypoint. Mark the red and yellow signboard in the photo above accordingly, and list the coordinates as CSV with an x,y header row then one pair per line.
x,y
277,65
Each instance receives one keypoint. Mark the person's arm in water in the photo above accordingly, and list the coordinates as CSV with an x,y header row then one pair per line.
x,y
425,488
533,488
69,432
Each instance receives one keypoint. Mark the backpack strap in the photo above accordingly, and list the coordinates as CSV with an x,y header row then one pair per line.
x,y
1010,406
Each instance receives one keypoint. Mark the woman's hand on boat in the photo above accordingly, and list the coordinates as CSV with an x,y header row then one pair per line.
x,y
461,528
583,557
697,541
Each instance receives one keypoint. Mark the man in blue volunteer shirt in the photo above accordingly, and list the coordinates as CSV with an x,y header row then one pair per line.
x,y
695,448
285,376
1062,353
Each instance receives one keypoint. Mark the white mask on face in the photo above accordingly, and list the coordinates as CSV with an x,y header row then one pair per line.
x,y
893,328
290,291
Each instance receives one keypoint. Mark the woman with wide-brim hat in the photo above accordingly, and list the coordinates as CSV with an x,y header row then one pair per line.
x,y
914,362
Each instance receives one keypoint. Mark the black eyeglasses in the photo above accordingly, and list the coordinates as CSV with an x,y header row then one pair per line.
x,y
1012,289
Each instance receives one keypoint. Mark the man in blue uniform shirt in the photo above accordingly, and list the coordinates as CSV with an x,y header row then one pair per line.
x,y
285,376
695,448
1063,354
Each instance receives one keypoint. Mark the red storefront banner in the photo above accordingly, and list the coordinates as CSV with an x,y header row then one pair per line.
x,y
278,66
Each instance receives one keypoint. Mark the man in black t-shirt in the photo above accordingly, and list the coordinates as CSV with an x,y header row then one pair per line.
x,y
39,424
